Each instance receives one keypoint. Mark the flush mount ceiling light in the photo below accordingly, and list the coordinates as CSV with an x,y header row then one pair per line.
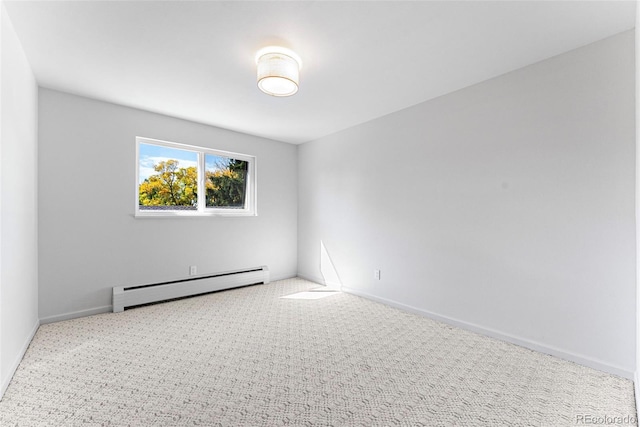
x,y
278,71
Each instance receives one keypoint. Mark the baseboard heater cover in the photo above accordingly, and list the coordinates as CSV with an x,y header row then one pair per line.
x,y
144,294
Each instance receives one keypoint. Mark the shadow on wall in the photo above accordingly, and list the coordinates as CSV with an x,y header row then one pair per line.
x,y
328,270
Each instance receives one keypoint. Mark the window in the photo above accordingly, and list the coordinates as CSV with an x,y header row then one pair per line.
x,y
182,180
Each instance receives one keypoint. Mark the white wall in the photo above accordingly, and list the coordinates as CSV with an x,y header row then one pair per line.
x,y
18,202
637,93
89,239
506,207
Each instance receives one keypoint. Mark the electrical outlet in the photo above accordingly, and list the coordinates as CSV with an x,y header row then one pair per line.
x,y
376,274
193,270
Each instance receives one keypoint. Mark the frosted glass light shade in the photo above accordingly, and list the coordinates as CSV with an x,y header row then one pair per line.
x,y
278,71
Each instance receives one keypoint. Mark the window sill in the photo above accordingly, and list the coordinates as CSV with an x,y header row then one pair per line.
x,y
187,214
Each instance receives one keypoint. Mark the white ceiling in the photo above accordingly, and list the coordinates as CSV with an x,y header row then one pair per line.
x,y
362,60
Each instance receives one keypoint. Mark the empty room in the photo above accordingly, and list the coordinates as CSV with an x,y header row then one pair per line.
x,y
318,213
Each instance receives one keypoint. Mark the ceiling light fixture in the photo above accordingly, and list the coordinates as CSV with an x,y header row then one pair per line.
x,y
278,71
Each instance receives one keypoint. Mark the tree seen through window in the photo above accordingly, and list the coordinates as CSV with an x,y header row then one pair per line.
x,y
171,183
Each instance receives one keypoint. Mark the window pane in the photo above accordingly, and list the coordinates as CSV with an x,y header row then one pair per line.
x,y
168,178
226,182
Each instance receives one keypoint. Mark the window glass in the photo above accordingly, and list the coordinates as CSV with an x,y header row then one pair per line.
x,y
168,178
225,182
184,180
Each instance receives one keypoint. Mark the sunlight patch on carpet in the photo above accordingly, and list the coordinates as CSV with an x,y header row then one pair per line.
x,y
311,294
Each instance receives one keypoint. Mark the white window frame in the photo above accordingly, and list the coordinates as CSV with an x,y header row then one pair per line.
x,y
250,208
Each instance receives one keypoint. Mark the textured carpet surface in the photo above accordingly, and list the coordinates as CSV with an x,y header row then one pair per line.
x,y
249,358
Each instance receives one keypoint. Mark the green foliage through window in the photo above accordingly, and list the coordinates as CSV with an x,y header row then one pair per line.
x,y
226,182
169,177
171,186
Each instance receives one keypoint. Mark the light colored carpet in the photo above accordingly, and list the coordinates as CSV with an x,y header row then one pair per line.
x,y
249,358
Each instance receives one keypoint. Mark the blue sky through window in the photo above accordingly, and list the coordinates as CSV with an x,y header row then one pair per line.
x,y
213,163
151,155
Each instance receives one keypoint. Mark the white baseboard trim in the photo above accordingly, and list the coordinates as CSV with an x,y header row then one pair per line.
x,y
321,281
318,280
523,342
333,285
76,314
282,277
14,366
109,308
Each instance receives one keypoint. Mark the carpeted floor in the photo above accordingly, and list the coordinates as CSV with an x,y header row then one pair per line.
x,y
249,358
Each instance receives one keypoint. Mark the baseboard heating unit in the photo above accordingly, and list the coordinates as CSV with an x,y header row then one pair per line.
x,y
144,294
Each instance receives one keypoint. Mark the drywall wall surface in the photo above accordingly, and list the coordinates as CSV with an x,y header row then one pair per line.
x,y
89,238
507,206
636,378
18,202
